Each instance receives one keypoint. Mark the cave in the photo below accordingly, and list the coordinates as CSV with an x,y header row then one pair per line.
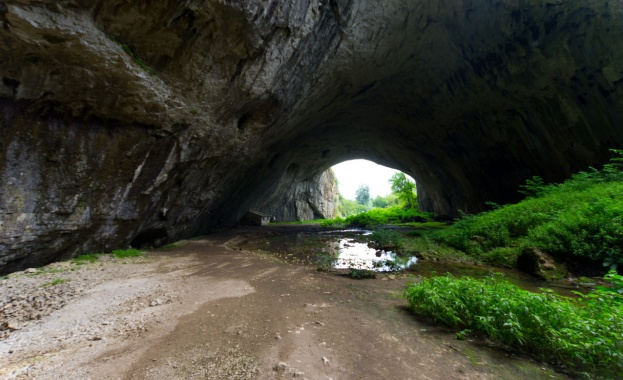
x,y
120,117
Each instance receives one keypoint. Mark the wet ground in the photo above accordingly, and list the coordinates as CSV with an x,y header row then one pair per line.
x,y
215,308
345,249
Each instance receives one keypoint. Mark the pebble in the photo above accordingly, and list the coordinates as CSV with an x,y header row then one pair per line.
x,y
325,360
156,302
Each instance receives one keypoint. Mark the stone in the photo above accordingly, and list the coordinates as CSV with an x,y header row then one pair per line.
x,y
31,270
155,302
536,262
469,98
281,366
325,360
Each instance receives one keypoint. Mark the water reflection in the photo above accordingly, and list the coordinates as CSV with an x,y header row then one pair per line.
x,y
353,254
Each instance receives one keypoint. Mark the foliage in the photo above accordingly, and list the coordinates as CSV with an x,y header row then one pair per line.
x,y
584,334
362,195
392,215
386,201
56,281
616,283
387,238
89,257
360,274
347,207
580,217
404,189
325,262
130,50
388,266
123,253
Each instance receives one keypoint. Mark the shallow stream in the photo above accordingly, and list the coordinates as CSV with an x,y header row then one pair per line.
x,y
350,249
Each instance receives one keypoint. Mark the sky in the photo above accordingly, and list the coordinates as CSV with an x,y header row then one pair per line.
x,y
351,174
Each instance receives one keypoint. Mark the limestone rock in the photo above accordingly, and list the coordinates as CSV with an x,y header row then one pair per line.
x,y
537,262
127,123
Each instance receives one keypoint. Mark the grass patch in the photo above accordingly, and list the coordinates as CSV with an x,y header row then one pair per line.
x,y
380,216
176,244
584,335
56,281
123,253
579,219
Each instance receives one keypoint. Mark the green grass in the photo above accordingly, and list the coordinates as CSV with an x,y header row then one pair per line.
x,y
584,335
123,253
56,281
581,218
378,216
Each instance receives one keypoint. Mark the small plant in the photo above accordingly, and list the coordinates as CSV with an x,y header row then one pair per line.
x,y
326,263
123,253
359,274
56,281
86,258
389,265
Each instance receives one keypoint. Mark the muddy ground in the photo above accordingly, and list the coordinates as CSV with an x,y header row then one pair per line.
x,y
208,310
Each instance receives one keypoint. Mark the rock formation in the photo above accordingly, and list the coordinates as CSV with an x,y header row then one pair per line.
x,y
304,199
125,122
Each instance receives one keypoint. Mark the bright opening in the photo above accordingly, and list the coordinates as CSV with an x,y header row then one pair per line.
x,y
364,185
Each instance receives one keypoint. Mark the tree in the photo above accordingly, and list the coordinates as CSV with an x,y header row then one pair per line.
x,y
404,189
380,202
362,195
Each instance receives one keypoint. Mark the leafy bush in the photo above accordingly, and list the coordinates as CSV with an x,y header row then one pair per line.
x,y
360,274
584,334
582,216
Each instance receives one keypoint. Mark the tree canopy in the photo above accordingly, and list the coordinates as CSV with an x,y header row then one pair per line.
x,y
404,189
362,195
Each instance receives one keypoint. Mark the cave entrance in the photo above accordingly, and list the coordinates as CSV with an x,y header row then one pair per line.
x,y
363,184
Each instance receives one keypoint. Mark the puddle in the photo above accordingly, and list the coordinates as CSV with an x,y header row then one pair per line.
x,y
352,254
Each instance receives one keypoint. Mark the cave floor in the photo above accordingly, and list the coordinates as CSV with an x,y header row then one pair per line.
x,y
208,310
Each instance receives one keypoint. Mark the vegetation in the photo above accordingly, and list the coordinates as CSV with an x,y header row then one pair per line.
x,y
386,201
359,274
404,189
56,281
387,238
347,207
362,195
87,258
585,335
581,218
123,253
378,216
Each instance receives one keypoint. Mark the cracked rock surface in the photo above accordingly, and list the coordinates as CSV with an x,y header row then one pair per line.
x,y
144,122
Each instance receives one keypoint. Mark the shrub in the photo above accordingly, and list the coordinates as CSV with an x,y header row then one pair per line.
x,y
584,334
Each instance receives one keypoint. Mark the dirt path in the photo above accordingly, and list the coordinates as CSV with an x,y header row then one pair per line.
x,y
208,311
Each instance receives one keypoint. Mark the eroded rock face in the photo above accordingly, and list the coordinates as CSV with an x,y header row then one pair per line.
x,y
150,121
303,199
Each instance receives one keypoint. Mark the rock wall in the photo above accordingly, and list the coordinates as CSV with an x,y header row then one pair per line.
x,y
135,121
307,199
